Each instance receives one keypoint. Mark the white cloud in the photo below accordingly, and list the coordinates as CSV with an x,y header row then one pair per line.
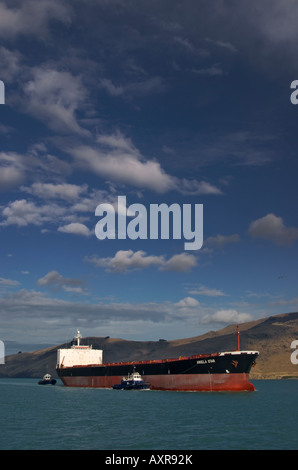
x,y
22,212
223,44
226,317
118,141
40,312
277,23
57,281
63,207
12,171
142,87
271,227
186,309
220,240
10,66
36,307
181,262
202,290
116,158
127,259
78,198
8,282
54,97
10,176
109,86
185,43
37,163
75,228
124,166
65,191
187,302
31,18
42,165
193,187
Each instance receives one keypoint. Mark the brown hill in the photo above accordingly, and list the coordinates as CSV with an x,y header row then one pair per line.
x,y
271,336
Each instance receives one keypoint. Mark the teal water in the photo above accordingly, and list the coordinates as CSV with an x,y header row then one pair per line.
x,y
35,417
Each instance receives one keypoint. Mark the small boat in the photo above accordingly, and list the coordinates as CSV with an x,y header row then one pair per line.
x,y
132,381
47,380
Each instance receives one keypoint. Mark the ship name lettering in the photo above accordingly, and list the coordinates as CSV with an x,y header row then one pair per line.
x,y
204,361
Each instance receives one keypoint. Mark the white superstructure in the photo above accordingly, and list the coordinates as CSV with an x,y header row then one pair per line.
x,y
79,355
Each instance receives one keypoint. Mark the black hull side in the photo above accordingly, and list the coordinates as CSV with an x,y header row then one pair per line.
x,y
223,363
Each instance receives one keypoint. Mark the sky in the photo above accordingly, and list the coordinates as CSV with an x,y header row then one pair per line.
x,y
163,102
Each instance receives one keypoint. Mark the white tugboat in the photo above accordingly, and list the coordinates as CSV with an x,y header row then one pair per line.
x,y
47,380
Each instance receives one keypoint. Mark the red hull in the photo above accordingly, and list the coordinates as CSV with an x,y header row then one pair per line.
x,y
189,382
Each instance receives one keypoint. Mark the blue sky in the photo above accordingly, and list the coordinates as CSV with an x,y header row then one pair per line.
x,y
161,102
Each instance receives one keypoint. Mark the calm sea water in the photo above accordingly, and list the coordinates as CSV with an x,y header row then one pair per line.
x,y
38,417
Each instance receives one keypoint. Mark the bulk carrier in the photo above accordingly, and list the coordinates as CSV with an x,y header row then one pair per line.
x,y
82,366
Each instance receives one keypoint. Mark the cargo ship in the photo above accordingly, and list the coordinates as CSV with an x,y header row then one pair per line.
x,y
82,366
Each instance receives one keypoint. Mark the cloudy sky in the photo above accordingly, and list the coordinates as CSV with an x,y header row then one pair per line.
x,y
160,101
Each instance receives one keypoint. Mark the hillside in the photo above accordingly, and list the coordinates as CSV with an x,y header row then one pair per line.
x,y
271,336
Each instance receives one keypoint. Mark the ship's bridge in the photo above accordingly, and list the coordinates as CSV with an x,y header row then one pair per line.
x,y
78,355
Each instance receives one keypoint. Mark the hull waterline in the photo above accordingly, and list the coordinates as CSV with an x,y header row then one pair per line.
x,y
193,382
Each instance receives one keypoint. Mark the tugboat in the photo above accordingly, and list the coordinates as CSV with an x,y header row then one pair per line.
x,y
132,381
47,380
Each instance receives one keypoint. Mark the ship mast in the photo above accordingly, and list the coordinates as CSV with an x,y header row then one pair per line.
x,y
78,337
238,337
